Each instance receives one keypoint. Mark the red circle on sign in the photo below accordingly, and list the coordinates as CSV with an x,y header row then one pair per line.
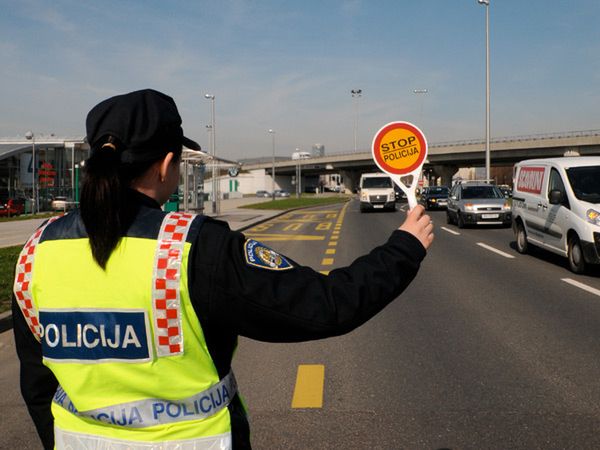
x,y
383,132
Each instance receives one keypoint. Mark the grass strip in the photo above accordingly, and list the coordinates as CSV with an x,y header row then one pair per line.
x,y
8,260
289,203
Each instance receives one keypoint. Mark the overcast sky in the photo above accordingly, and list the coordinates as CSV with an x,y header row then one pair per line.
x,y
290,66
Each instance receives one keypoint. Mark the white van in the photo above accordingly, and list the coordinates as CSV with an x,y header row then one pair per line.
x,y
556,206
377,192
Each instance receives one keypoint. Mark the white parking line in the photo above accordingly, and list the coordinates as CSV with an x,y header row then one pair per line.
x,y
456,233
585,287
495,250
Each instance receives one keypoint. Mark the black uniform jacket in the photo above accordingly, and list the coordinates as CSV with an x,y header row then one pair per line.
x,y
233,298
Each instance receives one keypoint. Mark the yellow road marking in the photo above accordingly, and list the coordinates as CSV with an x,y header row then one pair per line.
x,y
323,226
330,251
303,213
324,272
310,381
332,243
285,237
327,262
261,227
294,226
297,220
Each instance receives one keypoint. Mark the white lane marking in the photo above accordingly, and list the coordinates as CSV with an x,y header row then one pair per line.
x,y
585,287
456,233
495,250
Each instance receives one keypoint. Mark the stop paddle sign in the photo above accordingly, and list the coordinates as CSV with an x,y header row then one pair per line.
x,y
399,149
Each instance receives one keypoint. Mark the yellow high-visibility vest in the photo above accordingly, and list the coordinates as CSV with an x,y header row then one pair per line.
x,y
124,343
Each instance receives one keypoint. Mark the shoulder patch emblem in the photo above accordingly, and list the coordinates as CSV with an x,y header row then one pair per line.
x,y
258,255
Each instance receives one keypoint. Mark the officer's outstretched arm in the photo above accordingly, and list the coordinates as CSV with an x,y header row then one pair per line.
x,y
287,302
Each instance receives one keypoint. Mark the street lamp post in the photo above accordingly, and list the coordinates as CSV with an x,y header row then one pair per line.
x,y
215,184
487,86
30,136
356,94
272,133
298,177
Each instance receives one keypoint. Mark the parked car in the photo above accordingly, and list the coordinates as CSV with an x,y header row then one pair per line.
x,y
556,206
266,194
281,193
62,204
477,203
12,206
434,197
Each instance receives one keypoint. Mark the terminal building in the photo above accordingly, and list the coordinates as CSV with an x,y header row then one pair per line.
x,y
37,169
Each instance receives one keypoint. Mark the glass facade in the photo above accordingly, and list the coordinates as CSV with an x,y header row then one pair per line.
x,y
56,172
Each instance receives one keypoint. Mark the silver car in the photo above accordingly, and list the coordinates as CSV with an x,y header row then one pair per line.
x,y
477,203
281,193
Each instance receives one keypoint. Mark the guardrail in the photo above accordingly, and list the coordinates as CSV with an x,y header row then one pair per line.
x,y
529,137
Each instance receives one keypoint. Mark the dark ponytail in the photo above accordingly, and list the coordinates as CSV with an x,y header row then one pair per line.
x,y
106,207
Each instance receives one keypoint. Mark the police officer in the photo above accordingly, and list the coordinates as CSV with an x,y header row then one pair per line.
x,y
126,317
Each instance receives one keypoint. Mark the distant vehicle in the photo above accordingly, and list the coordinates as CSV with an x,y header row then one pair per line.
x,y
434,197
377,192
506,190
477,203
263,194
301,155
282,193
556,206
12,206
400,194
62,204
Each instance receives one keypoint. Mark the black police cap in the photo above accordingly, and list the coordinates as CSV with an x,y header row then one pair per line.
x,y
146,123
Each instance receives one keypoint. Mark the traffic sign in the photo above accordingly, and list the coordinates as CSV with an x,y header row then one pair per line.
x,y
399,149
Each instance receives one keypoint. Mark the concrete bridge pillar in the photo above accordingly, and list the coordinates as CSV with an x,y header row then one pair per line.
x,y
350,179
446,173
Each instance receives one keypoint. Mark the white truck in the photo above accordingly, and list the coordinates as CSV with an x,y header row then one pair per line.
x,y
376,192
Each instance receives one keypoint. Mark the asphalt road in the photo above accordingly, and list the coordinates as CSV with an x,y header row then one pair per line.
x,y
483,350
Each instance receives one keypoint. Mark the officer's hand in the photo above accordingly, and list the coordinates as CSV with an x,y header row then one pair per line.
x,y
419,225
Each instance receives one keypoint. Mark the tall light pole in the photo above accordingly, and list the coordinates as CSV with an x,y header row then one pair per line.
x,y
272,133
30,136
215,184
487,86
356,94
298,177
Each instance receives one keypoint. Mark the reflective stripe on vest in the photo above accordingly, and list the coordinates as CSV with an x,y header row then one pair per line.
x,y
152,411
23,276
78,441
166,303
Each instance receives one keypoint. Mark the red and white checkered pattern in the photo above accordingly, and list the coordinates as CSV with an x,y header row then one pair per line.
x,y
166,302
23,276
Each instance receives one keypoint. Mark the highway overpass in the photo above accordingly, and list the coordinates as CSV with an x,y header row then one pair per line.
x,y
445,158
